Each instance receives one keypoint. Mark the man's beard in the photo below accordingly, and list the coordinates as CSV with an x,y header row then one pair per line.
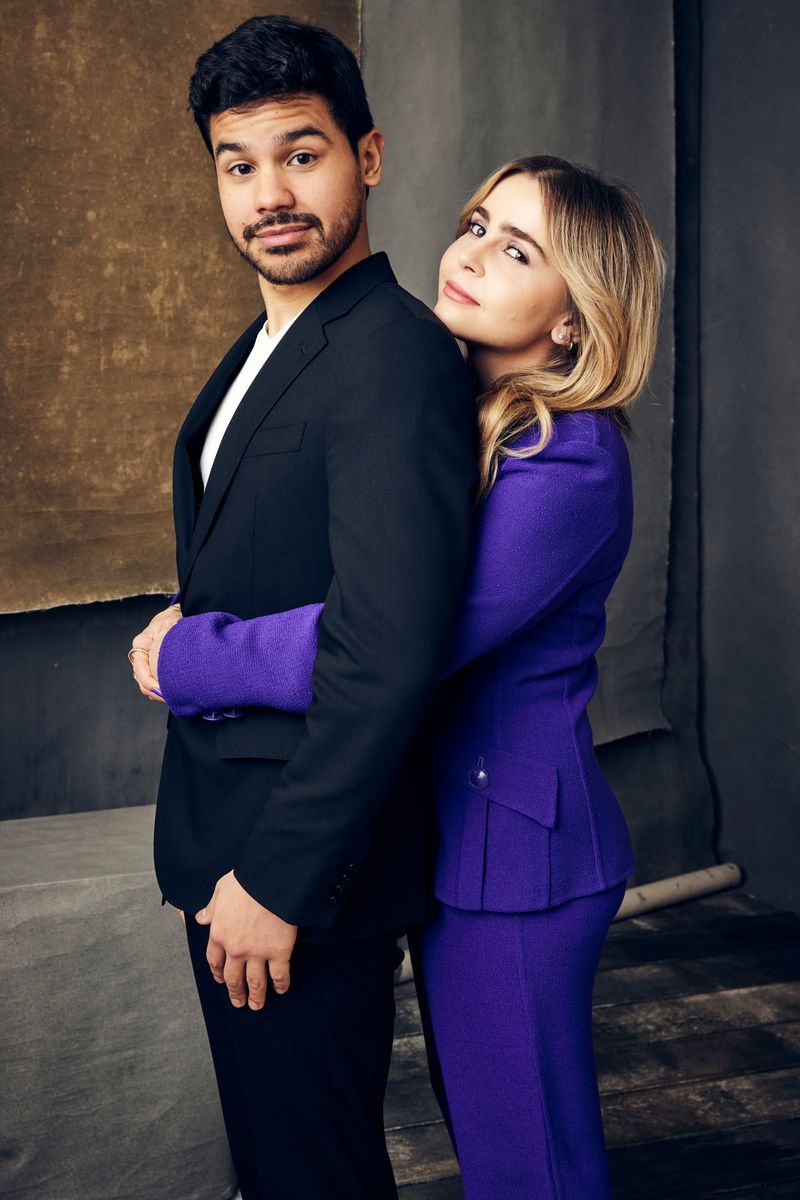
x,y
300,263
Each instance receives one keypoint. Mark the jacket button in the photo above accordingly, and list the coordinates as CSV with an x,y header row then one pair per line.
x,y
479,777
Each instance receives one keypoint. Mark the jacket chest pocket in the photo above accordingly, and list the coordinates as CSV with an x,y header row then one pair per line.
x,y
276,439
496,810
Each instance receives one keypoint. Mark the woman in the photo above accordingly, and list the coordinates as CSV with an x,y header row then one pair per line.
x,y
554,285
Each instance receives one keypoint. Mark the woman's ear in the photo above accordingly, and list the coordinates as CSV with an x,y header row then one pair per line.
x,y
566,334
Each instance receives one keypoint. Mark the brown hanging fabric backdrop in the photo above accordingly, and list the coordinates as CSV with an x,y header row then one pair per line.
x,y
124,287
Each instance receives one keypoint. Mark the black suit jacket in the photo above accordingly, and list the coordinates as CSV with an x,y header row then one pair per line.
x,y
346,476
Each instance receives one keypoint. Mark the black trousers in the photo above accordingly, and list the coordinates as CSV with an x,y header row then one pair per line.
x,y
302,1081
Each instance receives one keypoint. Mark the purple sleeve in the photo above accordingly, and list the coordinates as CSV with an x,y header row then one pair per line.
x,y
215,660
544,524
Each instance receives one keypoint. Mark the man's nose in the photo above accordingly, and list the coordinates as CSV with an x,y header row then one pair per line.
x,y
273,193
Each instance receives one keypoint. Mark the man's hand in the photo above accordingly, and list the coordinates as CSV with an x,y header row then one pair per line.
x,y
245,938
144,668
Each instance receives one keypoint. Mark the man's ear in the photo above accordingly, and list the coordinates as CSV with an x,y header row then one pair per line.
x,y
370,157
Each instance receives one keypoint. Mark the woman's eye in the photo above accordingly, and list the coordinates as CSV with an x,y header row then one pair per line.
x,y
476,228
305,155
515,253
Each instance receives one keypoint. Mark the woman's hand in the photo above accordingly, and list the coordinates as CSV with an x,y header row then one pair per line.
x,y
155,648
145,666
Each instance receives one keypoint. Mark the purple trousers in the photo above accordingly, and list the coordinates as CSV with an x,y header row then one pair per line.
x,y
506,1001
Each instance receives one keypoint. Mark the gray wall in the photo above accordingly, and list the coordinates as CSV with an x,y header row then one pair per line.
x,y
75,733
750,435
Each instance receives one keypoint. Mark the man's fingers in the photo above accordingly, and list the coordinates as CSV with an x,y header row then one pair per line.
x,y
215,956
256,977
279,974
235,981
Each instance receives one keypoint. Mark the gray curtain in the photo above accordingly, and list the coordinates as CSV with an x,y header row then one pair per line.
x,y
459,88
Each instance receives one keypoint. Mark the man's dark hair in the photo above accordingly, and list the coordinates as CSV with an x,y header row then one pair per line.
x,y
278,56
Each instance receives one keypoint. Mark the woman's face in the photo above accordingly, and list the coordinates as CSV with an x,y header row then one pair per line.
x,y
497,290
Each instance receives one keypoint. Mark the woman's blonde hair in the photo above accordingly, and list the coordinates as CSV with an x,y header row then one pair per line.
x,y
611,261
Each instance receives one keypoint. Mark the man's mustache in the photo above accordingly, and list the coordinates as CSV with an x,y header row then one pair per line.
x,y
309,219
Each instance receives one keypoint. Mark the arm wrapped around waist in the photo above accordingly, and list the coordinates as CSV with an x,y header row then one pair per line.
x,y
215,660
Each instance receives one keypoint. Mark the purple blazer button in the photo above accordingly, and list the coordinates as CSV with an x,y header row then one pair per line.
x,y
479,777
233,713
213,716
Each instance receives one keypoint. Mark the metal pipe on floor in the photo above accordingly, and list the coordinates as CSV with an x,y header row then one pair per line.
x,y
661,893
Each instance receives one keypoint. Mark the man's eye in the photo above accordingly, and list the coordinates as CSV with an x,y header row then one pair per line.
x,y
476,228
240,169
305,155
515,253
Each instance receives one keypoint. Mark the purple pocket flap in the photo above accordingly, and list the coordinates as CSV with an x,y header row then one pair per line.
x,y
521,782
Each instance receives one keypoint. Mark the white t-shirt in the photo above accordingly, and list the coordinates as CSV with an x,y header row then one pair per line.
x,y
262,348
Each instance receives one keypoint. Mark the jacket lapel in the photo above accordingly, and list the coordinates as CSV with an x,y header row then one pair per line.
x,y
295,351
302,343
187,487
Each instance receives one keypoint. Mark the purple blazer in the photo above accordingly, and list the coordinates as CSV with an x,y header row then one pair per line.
x,y
526,818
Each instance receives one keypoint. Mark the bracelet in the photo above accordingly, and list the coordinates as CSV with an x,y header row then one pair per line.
x,y
177,607
139,650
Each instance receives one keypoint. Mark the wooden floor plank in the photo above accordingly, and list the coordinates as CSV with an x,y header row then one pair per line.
x,y
443,1189
421,1154
685,1168
714,973
407,1011
730,934
408,1058
789,1189
679,1060
657,1114
698,1015
410,1101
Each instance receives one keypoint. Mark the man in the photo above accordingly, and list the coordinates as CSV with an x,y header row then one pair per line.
x,y
329,458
